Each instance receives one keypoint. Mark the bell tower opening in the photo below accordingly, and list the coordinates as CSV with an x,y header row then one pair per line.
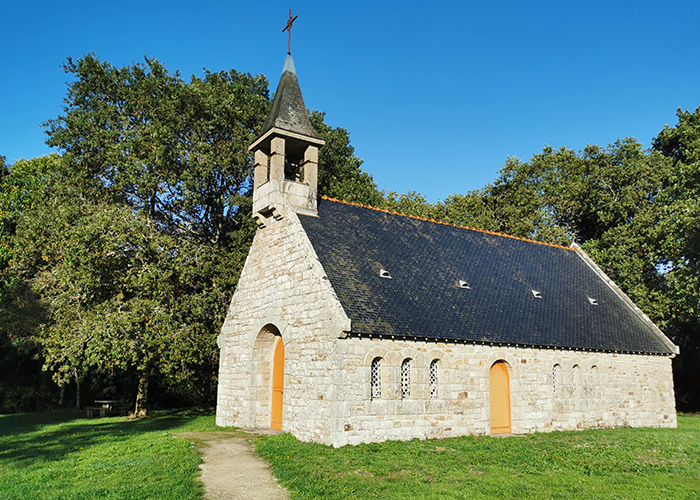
x,y
286,155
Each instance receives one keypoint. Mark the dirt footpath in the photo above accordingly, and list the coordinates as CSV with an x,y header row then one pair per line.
x,y
231,469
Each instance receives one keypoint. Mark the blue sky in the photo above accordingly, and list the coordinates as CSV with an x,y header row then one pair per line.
x,y
435,97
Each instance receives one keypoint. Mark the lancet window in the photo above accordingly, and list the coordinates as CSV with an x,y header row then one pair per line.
x,y
405,378
434,379
376,379
556,380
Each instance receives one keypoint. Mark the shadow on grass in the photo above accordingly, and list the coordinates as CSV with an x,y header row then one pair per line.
x,y
23,437
20,423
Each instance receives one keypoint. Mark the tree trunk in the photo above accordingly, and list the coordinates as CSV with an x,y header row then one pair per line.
x,y
62,397
141,395
77,390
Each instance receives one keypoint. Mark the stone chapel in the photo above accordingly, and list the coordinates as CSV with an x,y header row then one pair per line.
x,y
352,324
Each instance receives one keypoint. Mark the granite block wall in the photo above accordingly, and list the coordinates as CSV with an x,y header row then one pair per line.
x,y
283,293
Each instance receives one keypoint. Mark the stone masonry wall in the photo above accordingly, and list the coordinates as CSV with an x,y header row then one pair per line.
x,y
592,390
282,288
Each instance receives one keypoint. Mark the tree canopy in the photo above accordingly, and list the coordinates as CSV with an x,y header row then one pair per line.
x,y
677,229
340,175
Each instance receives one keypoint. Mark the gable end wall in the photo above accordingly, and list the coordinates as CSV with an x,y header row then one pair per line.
x,y
282,284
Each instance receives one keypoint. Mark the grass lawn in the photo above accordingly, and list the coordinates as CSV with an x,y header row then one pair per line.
x,y
595,464
61,455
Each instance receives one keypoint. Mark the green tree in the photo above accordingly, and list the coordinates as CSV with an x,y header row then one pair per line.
x,y
161,167
411,203
471,210
106,275
221,115
678,231
605,199
340,175
22,185
517,204
175,151
117,128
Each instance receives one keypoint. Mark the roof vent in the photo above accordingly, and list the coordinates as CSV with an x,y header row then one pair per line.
x,y
383,273
593,301
463,284
536,294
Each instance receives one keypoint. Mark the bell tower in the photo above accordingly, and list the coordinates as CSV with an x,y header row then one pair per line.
x,y
286,155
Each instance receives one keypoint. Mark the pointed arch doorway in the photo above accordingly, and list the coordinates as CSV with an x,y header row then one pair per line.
x,y
499,388
277,386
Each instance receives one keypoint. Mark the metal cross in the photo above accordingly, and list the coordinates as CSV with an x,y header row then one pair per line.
x,y
288,29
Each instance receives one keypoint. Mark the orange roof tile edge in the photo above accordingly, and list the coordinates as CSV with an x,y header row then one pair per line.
x,y
494,233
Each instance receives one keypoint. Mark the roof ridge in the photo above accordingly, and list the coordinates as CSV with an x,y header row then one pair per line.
x,y
486,231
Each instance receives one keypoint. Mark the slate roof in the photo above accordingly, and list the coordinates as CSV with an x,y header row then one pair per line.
x,y
422,299
288,111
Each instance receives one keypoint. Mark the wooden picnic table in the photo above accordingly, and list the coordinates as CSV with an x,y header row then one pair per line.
x,y
107,403
104,408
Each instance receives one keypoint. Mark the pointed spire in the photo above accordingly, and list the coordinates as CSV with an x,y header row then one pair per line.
x,y
288,111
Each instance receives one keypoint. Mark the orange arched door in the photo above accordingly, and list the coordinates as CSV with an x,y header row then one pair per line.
x,y
500,398
277,386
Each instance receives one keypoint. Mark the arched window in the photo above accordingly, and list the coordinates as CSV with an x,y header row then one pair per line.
x,y
434,379
376,379
556,379
593,381
406,378
575,379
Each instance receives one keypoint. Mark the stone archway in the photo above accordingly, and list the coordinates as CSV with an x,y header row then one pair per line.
x,y
499,390
268,385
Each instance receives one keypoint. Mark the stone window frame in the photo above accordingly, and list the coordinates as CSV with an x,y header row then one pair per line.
x,y
556,380
434,378
406,378
592,384
375,382
575,380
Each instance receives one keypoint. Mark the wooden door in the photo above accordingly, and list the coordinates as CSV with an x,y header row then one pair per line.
x,y
277,386
500,398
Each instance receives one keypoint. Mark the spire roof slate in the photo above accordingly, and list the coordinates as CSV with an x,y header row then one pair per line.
x,y
288,112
